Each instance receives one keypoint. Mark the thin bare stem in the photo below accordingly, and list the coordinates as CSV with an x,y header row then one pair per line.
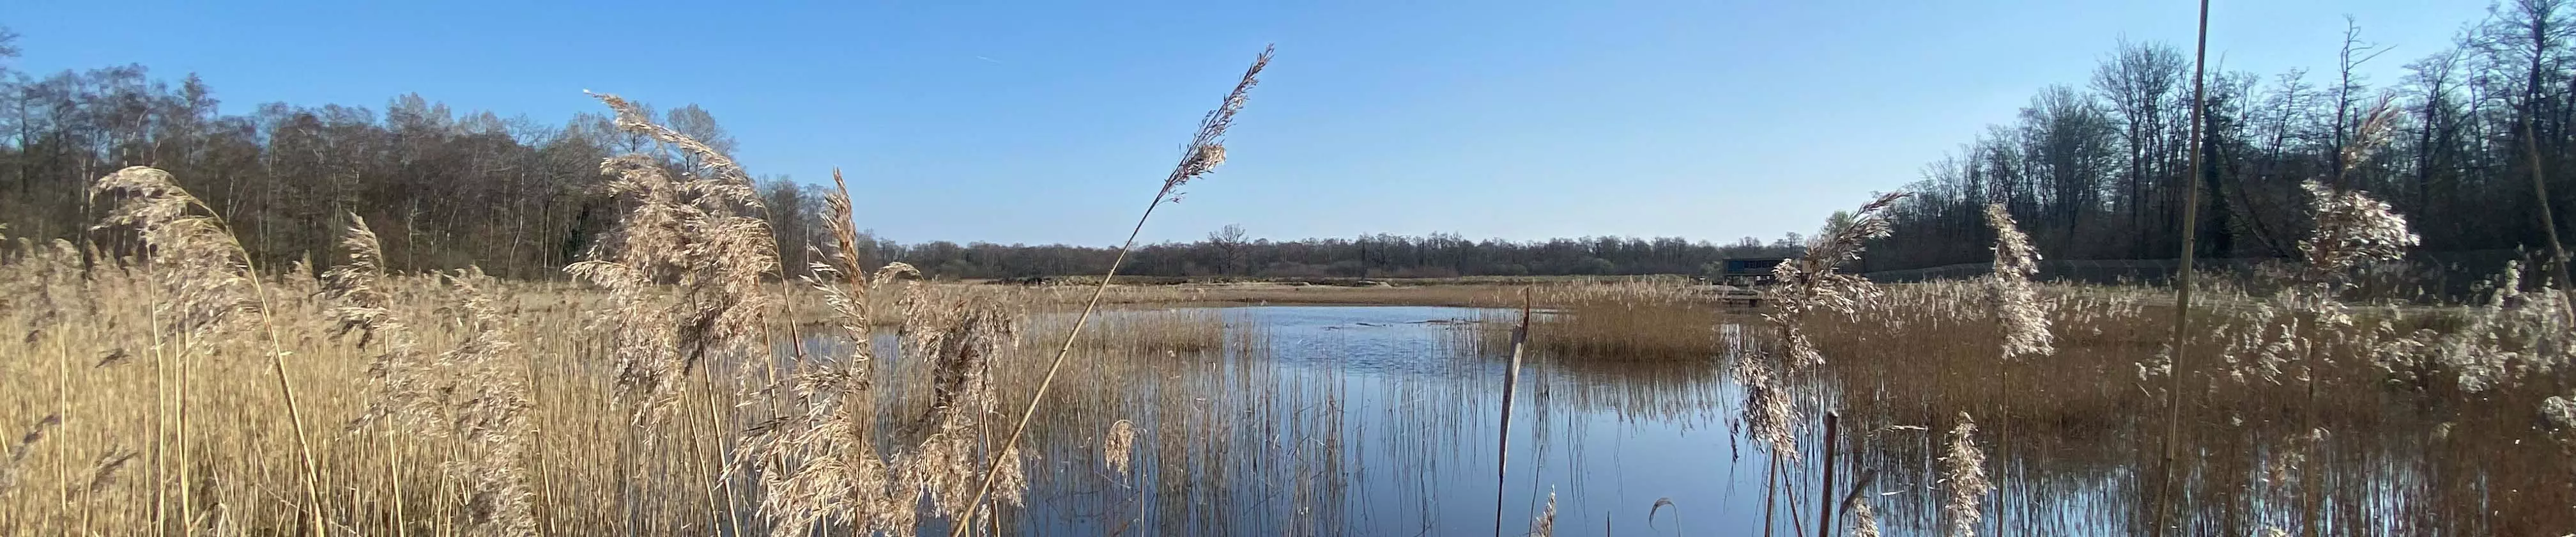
x,y
1204,153
1511,380
2182,281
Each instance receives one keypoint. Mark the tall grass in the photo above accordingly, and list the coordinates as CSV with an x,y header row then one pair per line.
x,y
175,389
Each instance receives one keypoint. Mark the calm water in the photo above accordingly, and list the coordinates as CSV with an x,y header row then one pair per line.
x,y
1370,420
1383,421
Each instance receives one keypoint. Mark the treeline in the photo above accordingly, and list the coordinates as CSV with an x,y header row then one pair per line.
x,y
2099,169
443,189
520,197
1228,253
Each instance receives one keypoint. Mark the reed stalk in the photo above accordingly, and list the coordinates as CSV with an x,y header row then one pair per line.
x,y
2176,366
178,227
1205,152
1503,444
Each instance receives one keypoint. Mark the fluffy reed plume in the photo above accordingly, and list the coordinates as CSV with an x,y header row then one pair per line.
x,y
488,408
467,392
1813,282
1545,524
1205,151
959,335
193,257
1207,147
819,466
1864,520
844,227
696,232
2351,229
1816,282
1963,472
2017,309
2560,411
1118,448
2513,335
208,278
407,391
25,446
1767,410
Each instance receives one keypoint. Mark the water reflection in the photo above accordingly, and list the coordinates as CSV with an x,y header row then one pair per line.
x,y
1382,421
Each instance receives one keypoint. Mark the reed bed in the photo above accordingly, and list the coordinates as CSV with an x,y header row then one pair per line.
x,y
687,384
2319,404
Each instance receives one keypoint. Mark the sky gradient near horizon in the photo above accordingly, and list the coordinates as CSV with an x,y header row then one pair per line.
x,y
1046,123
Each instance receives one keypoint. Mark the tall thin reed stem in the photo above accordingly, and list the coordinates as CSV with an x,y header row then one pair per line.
x,y
1201,157
1511,381
2540,184
1825,502
2182,280
159,204
285,387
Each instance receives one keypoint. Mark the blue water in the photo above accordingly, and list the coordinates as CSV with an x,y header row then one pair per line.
x,y
1383,420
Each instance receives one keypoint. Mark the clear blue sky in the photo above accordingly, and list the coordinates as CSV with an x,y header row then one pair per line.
x,y
1043,123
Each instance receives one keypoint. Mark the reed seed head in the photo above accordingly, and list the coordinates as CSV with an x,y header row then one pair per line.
x,y
2351,229
1963,471
1206,149
1118,448
2018,312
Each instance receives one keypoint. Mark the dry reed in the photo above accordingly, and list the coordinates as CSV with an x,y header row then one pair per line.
x,y
208,278
1201,157
1963,474
2010,295
1544,525
698,231
1118,448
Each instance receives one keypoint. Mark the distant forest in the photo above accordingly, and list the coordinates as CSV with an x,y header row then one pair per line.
x,y
2097,169
2094,169
519,197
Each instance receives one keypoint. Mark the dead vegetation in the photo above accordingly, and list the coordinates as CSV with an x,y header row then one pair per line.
x,y
176,389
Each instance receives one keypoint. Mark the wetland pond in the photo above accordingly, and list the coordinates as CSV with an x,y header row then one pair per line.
x,y
1384,420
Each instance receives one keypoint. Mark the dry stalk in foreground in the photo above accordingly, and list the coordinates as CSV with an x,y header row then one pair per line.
x,y
1205,152
208,273
697,231
819,463
819,466
1812,282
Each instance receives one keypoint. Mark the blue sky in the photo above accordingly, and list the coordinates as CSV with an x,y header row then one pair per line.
x,y
1048,123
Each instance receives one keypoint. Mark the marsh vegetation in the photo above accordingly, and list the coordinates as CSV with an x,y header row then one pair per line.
x,y
718,363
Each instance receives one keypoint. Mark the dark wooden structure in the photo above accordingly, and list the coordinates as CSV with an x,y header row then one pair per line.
x,y
1748,272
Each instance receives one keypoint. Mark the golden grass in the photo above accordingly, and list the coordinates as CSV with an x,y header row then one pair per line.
x,y
588,468
169,390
